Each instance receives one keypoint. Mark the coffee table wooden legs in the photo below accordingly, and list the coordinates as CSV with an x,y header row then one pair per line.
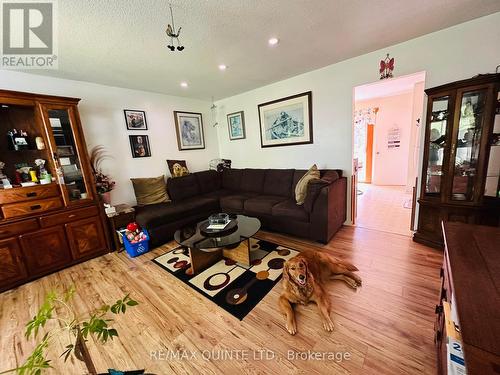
x,y
240,254
202,259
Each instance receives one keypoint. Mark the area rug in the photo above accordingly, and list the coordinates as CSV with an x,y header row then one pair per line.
x,y
235,287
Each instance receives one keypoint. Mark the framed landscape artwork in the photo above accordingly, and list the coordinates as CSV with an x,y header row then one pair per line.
x,y
136,120
287,121
139,145
189,129
236,124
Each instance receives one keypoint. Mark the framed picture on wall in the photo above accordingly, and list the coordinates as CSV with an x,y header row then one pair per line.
x,y
286,121
189,129
135,120
236,124
139,145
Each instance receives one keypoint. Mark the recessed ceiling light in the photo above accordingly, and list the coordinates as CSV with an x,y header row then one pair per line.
x,y
222,67
184,84
273,41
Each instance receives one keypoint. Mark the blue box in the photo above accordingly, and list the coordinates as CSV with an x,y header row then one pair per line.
x,y
138,248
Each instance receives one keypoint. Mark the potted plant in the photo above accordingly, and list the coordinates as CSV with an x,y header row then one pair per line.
x,y
80,329
104,183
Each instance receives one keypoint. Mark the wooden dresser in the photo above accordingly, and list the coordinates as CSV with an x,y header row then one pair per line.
x,y
49,226
471,278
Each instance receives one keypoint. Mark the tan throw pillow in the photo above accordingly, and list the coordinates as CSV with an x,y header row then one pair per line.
x,y
150,190
301,188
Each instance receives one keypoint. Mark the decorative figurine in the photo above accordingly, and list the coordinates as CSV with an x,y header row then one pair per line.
x,y
173,34
5,183
386,67
18,140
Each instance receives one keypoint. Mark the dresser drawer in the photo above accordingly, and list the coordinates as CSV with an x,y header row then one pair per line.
x,y
63,218
31,193
12,230
29,208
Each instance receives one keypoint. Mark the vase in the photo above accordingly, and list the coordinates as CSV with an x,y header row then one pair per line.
x,y
106,197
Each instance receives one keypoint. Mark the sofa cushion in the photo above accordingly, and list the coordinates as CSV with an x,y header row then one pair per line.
x,y
231,179
150,190
302,186
278,182
252,180
217,194
235,203
157,214
208,181
184,187
262,204
291,210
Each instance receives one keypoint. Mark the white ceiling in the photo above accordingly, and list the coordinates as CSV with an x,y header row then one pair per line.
x,y
122,42
388,87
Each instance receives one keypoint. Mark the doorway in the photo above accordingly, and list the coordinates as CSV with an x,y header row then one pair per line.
x,y
386,144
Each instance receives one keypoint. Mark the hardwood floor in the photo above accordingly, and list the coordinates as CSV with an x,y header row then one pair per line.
x,y
386,326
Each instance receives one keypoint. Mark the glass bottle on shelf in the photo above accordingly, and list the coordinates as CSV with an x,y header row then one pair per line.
x,y
437,143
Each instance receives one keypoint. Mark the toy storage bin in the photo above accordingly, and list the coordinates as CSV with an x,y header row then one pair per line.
x,y
135,249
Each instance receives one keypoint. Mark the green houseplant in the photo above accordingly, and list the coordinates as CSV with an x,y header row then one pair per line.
x,y
96,324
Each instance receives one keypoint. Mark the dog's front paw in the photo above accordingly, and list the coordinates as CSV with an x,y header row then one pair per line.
x,y
291,327
328,325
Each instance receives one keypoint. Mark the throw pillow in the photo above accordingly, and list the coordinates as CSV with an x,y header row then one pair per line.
x,y
301,188
177,168
150,190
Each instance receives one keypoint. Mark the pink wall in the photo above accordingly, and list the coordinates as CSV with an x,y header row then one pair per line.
x,y
390,166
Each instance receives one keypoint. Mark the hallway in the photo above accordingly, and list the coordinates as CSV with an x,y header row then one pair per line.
x,y
384,208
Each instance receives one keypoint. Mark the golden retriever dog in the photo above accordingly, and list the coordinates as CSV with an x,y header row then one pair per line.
x,y
304,277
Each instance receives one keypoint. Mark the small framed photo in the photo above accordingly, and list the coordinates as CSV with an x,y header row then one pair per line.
x,y
136,120
189,129
236,124
139,145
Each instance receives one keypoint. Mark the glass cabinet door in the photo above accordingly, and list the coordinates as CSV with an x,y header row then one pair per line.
x,y
467,144
70,171
438,126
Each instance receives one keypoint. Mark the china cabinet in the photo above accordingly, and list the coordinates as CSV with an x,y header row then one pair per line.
x,y
461,165
50,214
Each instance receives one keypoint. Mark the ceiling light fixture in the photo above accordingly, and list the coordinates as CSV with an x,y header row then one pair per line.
x,y
222,67
273,41
184,84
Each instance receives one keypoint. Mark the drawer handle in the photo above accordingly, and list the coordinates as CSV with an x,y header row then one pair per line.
x,y
32,194
35,207
71,216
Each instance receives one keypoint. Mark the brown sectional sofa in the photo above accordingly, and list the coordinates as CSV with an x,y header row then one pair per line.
x,y
268,194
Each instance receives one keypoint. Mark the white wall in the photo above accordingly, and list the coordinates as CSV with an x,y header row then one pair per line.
x,y
390,166
448,55
101,111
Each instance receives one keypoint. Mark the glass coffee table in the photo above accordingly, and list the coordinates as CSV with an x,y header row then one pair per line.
x,y
207,247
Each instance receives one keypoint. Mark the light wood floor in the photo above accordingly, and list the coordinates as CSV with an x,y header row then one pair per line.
x,y
382,208
386,326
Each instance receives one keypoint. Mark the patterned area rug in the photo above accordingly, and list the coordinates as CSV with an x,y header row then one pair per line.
x,y
235,287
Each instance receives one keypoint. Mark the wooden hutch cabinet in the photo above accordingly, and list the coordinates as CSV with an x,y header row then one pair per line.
x,y
51,216
461,165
